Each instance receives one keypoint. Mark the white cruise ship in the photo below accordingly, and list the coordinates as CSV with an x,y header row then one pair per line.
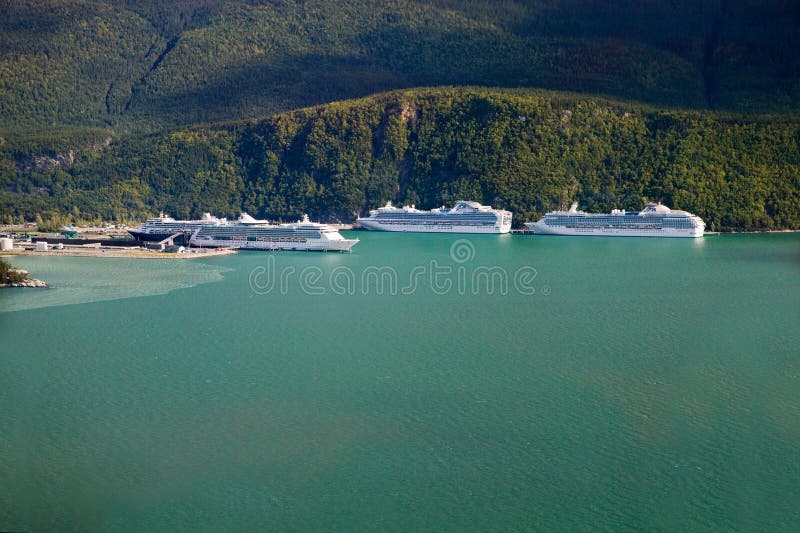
x,y
248,233
464,217
162,226
655,220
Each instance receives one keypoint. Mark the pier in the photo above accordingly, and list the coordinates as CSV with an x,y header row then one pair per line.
x,y
93,249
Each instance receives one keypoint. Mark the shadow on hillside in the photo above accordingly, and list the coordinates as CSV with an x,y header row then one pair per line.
x,y
20,25
260,88
626,51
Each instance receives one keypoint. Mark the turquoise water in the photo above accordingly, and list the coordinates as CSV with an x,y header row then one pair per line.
x,y
611,384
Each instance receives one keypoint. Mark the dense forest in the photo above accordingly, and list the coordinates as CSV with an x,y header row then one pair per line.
x,y
118,109
525,150
143,65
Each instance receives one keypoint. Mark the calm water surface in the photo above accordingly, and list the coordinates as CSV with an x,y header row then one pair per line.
x,y
423,382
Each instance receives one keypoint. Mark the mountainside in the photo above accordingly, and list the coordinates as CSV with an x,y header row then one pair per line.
x,y
118,109
528,151
142,65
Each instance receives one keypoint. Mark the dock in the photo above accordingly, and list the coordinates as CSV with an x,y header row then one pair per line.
x,y
133,252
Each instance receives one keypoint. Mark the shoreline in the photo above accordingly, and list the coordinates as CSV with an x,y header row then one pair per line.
x,y
119,253
26,281
30,283
752,232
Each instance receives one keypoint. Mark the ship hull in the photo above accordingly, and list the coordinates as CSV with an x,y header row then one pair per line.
x,y
310,245
374,225
539,228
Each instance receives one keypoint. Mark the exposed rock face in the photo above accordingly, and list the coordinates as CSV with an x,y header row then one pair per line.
x,y
408,112
65,159
41,163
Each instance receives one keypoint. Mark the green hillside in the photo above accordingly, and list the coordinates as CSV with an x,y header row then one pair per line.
x,y
142,65
117,109
528,151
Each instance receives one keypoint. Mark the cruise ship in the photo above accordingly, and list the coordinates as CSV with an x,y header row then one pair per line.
x,y
655,220
248,233
464,217
161,227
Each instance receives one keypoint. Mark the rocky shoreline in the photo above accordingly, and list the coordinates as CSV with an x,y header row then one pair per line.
x,y
28,282
32,283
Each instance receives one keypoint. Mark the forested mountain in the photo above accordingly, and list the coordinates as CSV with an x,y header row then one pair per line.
x,y
117,109
140,65
528,151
